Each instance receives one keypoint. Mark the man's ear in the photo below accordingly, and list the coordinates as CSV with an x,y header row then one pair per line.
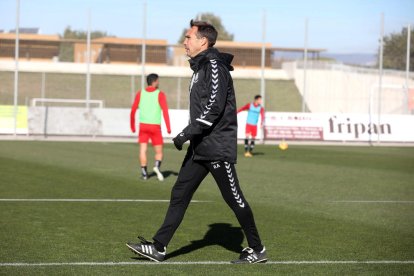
x,y
204,41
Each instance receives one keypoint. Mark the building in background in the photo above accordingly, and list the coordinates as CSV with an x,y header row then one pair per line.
x,y
114,50
32,47
122,50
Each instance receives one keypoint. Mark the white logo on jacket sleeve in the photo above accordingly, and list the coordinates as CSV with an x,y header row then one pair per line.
x,y
212,100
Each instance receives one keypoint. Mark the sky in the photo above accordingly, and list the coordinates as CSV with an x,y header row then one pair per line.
x,y
340,26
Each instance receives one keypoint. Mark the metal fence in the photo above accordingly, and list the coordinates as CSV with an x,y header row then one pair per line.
x,y
356,79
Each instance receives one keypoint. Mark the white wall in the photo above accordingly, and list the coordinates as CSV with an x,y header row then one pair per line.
x,y
345,91
93,122
102,121
297,126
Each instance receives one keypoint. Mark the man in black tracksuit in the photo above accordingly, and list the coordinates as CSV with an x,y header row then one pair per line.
x,y
212,132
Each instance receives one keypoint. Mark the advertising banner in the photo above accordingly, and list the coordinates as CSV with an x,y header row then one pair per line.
x,y
293,126
357,127
339,127
7,119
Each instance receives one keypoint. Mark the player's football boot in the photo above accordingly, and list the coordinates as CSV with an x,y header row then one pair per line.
x,y
147,249
248,154
249,256
158,173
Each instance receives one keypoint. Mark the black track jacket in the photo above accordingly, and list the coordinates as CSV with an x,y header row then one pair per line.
x,y
212,129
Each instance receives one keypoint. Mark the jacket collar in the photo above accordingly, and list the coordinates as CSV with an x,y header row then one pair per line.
x,y
198,60
206,55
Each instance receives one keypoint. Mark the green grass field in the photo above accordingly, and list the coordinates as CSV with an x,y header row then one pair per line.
x,y
317,204
281,95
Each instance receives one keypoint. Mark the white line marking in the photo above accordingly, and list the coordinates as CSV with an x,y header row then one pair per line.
x,y
88,200
205,263
374,201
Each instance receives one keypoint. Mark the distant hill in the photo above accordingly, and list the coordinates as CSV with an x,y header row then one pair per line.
x,y
354,59
360,59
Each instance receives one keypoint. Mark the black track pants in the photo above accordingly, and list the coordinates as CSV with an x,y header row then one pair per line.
x,y
189,178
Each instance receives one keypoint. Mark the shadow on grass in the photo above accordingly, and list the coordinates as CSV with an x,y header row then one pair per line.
x,y
223,234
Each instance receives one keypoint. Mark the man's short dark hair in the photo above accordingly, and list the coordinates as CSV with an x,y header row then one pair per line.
x,y
206,30
257,97
151,78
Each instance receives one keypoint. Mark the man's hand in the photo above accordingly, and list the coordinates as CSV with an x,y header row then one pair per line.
x,y
179,140
133,129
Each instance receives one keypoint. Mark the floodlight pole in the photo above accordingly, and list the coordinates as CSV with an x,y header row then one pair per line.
x,y
407,63
380,73
305,65
16,67
263,60
88,61
143,49
263,64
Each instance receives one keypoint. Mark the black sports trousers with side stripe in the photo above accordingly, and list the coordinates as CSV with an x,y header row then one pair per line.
x,y
189,178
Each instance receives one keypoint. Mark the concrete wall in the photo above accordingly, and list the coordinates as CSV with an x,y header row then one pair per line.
x,y
102,122
347,91
93,122
68,121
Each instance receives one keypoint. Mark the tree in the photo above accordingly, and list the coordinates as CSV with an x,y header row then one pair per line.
x,y
66,48
223,34
395,50
74,34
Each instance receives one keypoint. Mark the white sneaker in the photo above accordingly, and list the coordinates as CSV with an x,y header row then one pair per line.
x,y
159,174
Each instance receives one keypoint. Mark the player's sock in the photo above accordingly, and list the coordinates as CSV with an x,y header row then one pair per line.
x,y
144,171
251,145
157,170
246,145
159,246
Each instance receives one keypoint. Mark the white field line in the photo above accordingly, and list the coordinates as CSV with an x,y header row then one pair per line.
x,y
167,200
379,262
88,200
374,201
